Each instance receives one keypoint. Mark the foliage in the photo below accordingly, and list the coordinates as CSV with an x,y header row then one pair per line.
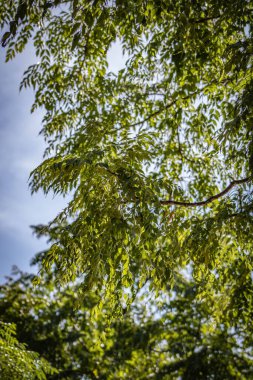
x,y
16,362
171,337
138,149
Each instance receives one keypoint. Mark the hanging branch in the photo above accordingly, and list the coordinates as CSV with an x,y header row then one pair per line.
x,y
208,200
173,102
195,204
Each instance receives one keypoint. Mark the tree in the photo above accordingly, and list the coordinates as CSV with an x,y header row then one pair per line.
x,y
171,338
158,157
16,362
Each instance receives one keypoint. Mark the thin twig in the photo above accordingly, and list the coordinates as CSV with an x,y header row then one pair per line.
x,y
204,19
169,105
180,149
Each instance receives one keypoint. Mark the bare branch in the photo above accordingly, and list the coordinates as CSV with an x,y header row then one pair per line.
x,y
208,200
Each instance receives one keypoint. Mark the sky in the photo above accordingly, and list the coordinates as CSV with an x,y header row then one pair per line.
x,y
21,150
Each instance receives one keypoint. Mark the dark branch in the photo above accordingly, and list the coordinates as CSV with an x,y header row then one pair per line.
x,y
172,103
154,114
204,19
208,200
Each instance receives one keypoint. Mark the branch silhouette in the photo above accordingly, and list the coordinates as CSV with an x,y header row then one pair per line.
x,y
208,200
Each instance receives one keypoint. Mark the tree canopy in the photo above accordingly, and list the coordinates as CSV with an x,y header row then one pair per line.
x,y
16,362
157,163
158,157
174,338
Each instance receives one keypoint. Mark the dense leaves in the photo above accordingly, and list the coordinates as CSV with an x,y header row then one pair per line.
x,y
174,125
16,362
170,338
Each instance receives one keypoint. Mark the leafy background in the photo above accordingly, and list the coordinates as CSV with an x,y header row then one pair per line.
x,y
172,129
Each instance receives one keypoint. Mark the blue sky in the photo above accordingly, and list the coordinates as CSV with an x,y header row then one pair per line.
x,y
20,151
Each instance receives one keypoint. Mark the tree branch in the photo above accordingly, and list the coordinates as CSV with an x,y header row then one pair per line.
x,y
172,103
204,19
208,200
180,149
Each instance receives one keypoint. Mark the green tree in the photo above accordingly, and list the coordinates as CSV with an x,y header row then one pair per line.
x,y
16,362
158,157
171,337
